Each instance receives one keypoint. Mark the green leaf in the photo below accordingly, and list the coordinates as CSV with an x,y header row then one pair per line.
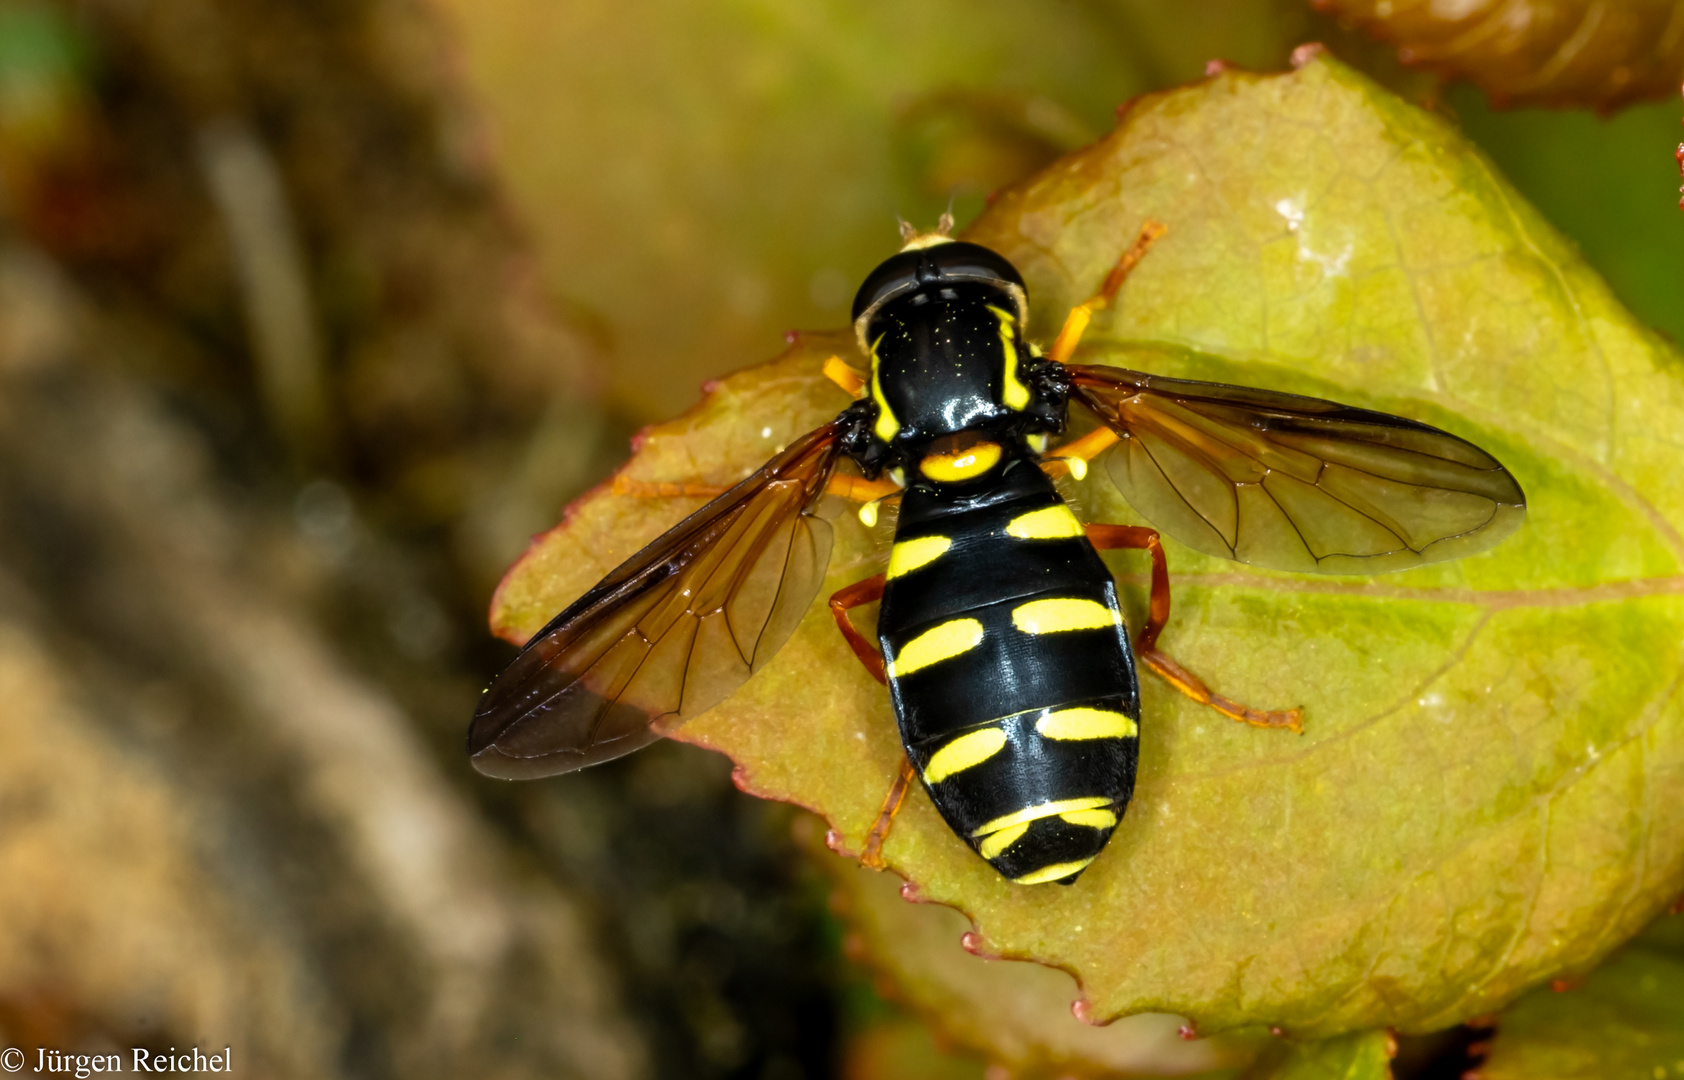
x,y
1366,1055
1626,1020
1480,798
1015,1015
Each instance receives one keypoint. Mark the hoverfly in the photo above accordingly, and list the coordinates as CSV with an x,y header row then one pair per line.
x,y
999,636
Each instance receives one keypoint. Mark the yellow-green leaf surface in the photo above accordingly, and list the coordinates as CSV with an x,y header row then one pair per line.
x,y
1623,1022
1015,1015
1366,1055
1485,793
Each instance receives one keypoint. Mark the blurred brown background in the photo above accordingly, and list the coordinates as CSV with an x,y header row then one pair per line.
x,y
310,313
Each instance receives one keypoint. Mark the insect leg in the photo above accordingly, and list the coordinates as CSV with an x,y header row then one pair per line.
x,y
1075,454
1105,537
859,489
1076,322
872,855
839,372
856,595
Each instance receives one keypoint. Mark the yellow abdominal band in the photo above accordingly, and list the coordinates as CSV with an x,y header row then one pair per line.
x,y
995,837
1063,614
942,642
1047,523
965,752
909,555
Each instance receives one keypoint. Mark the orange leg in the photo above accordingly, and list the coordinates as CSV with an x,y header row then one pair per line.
x,y
842,374
1074,455
872,856
856,595
1064,346
1107,537
859,594
859,489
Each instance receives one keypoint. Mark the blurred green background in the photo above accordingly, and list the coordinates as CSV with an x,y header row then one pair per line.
x,y
311,313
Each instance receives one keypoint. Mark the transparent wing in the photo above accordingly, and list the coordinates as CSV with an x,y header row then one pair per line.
x,y
1296,483
669,633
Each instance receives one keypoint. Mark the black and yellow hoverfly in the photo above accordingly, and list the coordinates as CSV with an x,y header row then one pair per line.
x,y
1010,669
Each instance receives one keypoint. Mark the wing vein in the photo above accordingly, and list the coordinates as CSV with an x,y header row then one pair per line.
x,y
1404,493
574,697
1188,503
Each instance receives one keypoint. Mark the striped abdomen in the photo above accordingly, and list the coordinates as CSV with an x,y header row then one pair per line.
x,y
1011,674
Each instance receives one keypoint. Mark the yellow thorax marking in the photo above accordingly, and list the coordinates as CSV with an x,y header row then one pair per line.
x,y
1064,613
1093,819
909,555
967,751
966,464
1000,841
887,426
1035,813
1047,523
1086,723
1016,395
1054,872
936,644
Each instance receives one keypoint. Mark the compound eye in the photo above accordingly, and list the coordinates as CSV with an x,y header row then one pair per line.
x,y
964,261
897,274
955,261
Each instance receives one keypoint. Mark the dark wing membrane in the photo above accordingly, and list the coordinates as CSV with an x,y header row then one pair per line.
x,y
671,632
1297,483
